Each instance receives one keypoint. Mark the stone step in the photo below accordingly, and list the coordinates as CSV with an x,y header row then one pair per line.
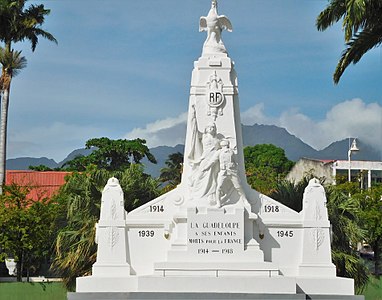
x,y
207,296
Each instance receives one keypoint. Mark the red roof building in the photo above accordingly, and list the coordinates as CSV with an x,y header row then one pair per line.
x,y
42,184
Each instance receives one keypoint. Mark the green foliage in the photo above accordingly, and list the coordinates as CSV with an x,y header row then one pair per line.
x,y
265,166
362,25
172,174
374,289
362,210
369,205
290,193
345,219
80,199
112,155
43,168
18,23
12,63
26,227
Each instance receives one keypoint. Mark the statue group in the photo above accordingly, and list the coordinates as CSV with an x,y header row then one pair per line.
x,y
214,165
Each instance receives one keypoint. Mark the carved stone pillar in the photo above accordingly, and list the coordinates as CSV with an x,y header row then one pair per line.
x,y
316,258
111,235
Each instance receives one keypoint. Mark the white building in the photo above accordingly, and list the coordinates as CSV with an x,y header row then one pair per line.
x,y
367,172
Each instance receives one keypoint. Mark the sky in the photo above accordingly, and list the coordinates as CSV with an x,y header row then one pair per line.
x,y
122,69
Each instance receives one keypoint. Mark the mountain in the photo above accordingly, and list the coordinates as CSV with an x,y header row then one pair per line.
x,y
75,153
252,135
161,154
339,150
23,163
269,134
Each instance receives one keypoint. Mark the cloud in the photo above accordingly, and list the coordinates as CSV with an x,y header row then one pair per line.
x,y
255,114
351,118
170,132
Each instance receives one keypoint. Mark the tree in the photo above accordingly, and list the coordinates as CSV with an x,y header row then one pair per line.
x,y
12,62
172,174
370,214
43,168
26,228
111,154
347,232
290,193
345,220
362,24
17,24
80,201
265,165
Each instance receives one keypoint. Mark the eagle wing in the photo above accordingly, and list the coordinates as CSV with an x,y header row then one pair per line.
x,y
225,23
203,24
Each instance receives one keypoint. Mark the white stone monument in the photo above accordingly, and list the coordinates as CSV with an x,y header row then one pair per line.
x,y
213,235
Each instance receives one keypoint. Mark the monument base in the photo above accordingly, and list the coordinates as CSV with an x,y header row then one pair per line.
x,y
207,296
208,287
188,284
328,286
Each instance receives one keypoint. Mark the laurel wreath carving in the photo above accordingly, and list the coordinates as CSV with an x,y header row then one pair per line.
x,y
318,236
113,236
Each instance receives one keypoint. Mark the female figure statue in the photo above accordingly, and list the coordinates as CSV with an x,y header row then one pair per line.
x,y
203,149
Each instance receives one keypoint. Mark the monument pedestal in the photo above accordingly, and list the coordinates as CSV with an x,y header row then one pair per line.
x,y
204,296
180,283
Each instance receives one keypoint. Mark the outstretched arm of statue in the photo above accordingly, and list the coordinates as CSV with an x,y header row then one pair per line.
x,y
196,147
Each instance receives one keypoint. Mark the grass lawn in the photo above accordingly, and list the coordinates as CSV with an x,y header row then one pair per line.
x,y
374,289
32,291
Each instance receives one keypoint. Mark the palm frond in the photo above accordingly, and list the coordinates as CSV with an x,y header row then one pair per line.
x,y
361,24
12,63
332,14
356,48
18,23
349,265
354,17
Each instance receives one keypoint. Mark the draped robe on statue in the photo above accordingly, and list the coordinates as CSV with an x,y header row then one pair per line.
x,y
203,149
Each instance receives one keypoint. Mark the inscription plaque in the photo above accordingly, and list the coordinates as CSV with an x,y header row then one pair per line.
x,y
215,232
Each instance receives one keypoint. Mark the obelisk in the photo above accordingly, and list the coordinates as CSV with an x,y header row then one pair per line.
x,y
213,159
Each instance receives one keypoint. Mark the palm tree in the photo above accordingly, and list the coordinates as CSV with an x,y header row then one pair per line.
x,y
344,217
291,193
362,25
12,62
17,24
79,204
172,174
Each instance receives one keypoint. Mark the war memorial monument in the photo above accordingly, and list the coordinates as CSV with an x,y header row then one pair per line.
x,y
213,237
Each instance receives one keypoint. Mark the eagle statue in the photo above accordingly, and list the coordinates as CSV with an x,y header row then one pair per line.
x,y
214,24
